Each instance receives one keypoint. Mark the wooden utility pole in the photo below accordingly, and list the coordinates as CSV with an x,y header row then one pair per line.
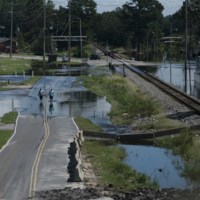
x,y
69,41
44,36
11,29
186,42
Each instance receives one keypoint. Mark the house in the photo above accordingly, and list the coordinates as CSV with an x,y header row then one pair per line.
x,y
5,45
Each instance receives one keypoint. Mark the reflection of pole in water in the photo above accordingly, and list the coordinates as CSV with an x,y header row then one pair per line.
x,y
70,106
13,105
41,107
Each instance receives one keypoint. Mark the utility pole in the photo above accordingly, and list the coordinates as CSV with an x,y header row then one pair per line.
x,y
171,53
44,36
186,44
81,44
11,29
69,40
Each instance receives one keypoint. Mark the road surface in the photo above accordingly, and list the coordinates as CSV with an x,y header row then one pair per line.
x,y
36,157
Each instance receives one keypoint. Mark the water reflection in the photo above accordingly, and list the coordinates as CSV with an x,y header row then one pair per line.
x,y
41,107
174,73
51,108
160,164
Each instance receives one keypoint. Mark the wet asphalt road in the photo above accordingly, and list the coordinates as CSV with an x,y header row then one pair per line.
x,y
19,156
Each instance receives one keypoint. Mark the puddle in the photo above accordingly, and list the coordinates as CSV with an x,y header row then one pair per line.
x,y
160,164
13,79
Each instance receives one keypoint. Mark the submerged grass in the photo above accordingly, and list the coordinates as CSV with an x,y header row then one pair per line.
x,y
108,163
30,81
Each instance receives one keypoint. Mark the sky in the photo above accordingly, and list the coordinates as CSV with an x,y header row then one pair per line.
x,y
171,6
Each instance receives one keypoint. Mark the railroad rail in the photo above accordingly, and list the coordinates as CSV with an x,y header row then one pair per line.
x,y
189,101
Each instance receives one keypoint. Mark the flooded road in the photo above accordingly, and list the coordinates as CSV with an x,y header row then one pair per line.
x,y
72,99
69,100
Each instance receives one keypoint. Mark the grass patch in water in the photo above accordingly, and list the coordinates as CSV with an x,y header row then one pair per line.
x,y
30,81
108,163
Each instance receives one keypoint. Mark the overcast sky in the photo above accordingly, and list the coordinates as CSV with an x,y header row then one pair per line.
x,y
171,6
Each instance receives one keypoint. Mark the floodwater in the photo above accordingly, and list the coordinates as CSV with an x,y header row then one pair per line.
x,y
74,100
161,165
174,73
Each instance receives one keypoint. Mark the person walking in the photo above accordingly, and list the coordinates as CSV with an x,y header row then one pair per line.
x,y
51,94
41,94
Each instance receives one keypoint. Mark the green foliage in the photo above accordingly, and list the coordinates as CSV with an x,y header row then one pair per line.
x,y
126,100
108,164
11,65
87,125
30,81
4,136
188,146
180,144
159,122
9,118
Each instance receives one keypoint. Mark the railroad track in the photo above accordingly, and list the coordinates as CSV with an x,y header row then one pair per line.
x,y
189,101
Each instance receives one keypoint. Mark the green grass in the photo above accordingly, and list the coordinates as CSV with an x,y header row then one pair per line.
x,y
30,81
187,144
9,118
108,164
4,136
127,101
160,123
12,65
87,125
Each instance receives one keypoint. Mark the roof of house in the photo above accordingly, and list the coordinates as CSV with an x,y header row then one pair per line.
x,y
4,39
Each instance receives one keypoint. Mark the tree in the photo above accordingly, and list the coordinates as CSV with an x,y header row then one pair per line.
x,y
110,29
86,11
137,14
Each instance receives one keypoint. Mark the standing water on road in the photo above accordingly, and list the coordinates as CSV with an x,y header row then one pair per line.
x,y
74,100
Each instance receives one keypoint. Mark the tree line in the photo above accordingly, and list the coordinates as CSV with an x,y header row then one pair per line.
x,y
138,26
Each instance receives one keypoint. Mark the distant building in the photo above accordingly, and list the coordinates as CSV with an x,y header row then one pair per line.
x,y
5,45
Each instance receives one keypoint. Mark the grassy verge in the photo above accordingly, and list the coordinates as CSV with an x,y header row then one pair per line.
x,y
127,101
187,144
12,65
4,136
107,160
87,125
9,118
129,104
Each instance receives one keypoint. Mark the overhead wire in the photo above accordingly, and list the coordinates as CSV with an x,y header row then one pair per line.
x,y
34,40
